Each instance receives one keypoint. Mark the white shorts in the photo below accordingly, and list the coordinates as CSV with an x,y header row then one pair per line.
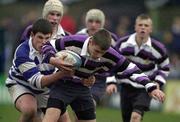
x,y
18,90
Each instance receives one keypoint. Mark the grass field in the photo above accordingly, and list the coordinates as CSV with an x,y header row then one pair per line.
x,y
9,114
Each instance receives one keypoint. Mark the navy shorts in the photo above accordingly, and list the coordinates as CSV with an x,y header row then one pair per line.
x,y
133,99
74,94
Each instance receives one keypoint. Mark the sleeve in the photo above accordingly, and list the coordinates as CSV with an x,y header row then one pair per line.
x,y
29,71
163,70
126,69
60,43
111,80
47,51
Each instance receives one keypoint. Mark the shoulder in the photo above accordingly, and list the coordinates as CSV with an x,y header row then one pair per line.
x,y
75,38
26,33
114,36
122,40
114,54
157,45
72,40
23,49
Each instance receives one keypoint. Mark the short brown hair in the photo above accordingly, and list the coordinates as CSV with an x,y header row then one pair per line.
x,y
102,38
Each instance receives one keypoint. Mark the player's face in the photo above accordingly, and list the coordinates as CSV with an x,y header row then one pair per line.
x,y
39,39
94,50
54,18
93,26
143,27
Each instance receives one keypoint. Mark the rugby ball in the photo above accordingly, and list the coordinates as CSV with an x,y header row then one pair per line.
x,y
70,57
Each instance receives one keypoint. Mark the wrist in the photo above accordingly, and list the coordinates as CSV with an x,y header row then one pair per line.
x,y
150,87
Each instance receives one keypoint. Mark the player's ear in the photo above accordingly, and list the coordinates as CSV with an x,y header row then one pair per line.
x,y
151,29
135,27
91,41
32,34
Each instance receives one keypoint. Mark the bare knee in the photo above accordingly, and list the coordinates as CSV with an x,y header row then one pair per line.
x,y
64,118
29,110
135,117
27,105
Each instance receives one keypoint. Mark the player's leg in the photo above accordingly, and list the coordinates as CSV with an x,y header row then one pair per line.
x,y
126,110
140,105
60,97
86,116
54,110
126,105
65,117
52,115
27,105
84,107
24,101
98,90
136,117
42,104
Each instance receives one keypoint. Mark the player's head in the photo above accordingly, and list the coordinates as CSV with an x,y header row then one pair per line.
x,y
53,11
95,20
143,26
99,43
41,33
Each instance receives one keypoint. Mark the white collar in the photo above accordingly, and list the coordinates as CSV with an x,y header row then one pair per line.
x,y
60,33
83,31
132,40
32,49
84,51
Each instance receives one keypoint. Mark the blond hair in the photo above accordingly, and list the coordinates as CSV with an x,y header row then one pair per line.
x,y
52,5
96,14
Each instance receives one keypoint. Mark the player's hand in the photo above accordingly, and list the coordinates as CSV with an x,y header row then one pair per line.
x,y
158,95
60,64
112,88
89,81
67,73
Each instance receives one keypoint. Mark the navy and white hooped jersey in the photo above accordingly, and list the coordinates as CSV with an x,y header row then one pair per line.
x,y
151,57
28,68
112,62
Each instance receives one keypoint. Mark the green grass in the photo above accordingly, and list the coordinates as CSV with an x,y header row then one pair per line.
x,y
114,115
161,117
9,114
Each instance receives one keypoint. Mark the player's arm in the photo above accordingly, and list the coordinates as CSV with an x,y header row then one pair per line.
x,y
111,88
33,76
49,52
163,70
126,69
111,85
49,79
60,64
